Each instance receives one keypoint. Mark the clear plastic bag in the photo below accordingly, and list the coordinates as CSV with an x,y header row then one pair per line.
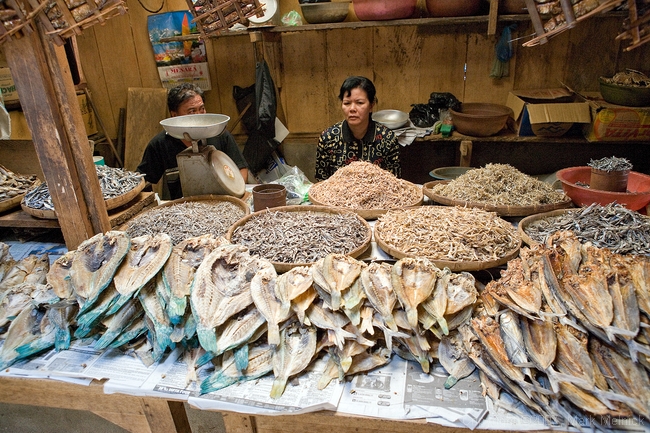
x,y
292,18
297,186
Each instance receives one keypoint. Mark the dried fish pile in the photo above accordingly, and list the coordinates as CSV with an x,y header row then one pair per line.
x,y
565,331
612,226
610,164
362,185
186,220
499,185
301,237
114,182
449,233
12,184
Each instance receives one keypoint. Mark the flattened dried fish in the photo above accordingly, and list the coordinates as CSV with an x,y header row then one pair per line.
x,y
59,275
275,311
29,333
376,281
340,271
413,281
454,359
239,329
259,363
295,352
62,314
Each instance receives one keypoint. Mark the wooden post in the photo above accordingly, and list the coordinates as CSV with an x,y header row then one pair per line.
x,y
466,153
52,112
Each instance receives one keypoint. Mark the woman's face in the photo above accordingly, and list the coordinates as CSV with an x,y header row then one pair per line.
x,y
357,107
192,105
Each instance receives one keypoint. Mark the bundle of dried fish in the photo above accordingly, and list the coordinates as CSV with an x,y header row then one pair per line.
x,y
114,182
31,269
301,237
186,220
613,226
362,185
12,184
447,233
499,185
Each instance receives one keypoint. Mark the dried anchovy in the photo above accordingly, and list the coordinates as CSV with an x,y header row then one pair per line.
x,y
186,220
114,182
12,184
362,185
613,226
499,185
300,237
610,164
448,233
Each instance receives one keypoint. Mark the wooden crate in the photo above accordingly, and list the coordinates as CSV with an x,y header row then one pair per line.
x,y
60,18
213,17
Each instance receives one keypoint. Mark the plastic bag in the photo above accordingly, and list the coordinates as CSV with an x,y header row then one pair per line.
x,y
292,18
297,186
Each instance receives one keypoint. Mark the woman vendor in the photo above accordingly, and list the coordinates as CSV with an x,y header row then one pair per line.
x,y
358,137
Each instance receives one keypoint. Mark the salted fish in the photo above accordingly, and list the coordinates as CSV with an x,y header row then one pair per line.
x,y
521,290
145,258
95,263
86,320
339,362
624,301
180,268
413,281
296,281
513,338
416,334
461,292
29,333
13,301
413,349
332,321
572,357
454,359
639,269
155,311
271,302
31,269
239,329
376,281
540,341
340,271
320,284
295,352
301,303
260,362
117,322
62,314
352,301
221,289
436,304
6,260
369,360
59,275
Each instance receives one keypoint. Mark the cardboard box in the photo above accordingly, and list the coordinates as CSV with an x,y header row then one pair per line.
x,y
546,112
616,122
20,128
7,86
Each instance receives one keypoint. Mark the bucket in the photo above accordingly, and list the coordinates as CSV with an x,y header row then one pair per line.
x,y
615,181
99,160
269,196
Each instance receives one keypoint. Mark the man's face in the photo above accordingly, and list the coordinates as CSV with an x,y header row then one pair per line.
x,y
193,105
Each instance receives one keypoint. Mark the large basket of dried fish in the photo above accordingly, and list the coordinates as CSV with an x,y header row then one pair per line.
x,y
462,239
60,18
292,236
498,188
613,226
13,188
366,189
118,187
189,217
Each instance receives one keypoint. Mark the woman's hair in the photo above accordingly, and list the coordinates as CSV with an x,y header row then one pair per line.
x,y
355,82
179,94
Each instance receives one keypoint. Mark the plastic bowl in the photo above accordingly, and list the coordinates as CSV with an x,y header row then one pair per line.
x,y
638,185
328,12
621,94
197,126
393,119
480,119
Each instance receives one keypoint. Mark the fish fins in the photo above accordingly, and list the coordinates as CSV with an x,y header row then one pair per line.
x,y
207,338
62,339
241,359
176,309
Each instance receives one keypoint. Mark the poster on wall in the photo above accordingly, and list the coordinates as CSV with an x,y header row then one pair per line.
x,y
178,61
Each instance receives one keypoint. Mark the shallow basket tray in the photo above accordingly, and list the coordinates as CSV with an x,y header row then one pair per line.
x,y
500,210
111,203
367,214
285,267
11,203
455,266
521,228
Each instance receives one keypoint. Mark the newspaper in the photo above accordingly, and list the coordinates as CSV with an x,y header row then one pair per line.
x,y
20,250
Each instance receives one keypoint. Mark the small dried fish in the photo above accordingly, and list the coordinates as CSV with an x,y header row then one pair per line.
x,y
454,359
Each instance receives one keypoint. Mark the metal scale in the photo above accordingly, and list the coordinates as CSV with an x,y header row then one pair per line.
x,y
202,168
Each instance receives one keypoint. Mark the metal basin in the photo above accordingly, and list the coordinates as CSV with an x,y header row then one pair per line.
x,y
197,126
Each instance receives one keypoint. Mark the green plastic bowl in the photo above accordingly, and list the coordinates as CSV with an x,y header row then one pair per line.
x,y
619,94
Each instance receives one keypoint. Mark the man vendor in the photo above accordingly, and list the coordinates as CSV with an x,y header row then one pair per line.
x,y
160,153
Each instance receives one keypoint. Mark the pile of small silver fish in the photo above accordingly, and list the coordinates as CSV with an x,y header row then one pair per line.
x,y
610,164
301,237
613,226
12,184
186,220
114,182
449,233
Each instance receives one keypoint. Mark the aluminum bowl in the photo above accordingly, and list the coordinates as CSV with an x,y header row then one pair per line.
x,y
197,126
327,12
621,94
480,119
392,119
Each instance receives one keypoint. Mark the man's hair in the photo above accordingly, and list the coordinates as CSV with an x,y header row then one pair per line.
x,y
181,93
359,82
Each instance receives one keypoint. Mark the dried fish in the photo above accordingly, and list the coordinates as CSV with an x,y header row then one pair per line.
x,y
274,308
13,185
59,275
413,282
454,359
377,283
340,272
259,363
293,355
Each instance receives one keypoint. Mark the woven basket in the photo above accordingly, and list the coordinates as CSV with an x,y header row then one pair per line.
x,y
213,17
60,18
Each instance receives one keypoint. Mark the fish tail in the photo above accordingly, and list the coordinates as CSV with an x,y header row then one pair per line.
x,y
241,358
279,384
273,334
82,331
120,300
107,338
176,309
207,338
163,337
62,339
204,359
216,382
443,325
335,300
450,382
412,316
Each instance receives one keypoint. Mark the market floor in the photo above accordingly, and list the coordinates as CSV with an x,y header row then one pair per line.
x,y
17,418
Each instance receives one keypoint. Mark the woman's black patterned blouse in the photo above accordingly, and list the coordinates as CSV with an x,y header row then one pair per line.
x,y
337,147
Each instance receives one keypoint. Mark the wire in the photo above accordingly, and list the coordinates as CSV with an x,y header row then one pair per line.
x,y
162,3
